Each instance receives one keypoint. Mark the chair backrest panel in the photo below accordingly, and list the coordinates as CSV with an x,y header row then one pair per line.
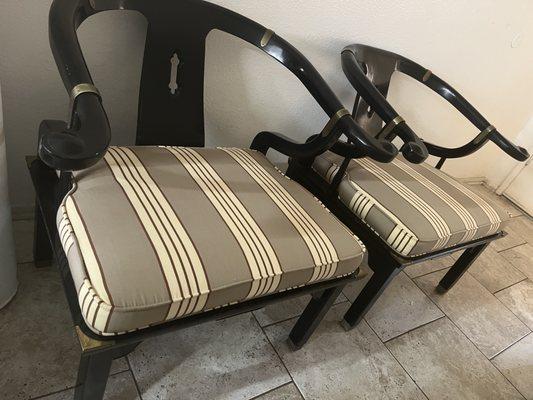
x,y
379,65
173,114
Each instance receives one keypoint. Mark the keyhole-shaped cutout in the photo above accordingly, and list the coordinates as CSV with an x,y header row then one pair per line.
x,y
173,84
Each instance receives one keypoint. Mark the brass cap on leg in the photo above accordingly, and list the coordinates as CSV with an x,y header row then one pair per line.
x,y
87,343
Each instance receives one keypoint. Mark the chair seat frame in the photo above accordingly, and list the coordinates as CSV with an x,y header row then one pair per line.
x,y
382,260
97,352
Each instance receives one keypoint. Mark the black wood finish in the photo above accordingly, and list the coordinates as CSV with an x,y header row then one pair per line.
x,y
382,260
93,373
42,250
312,315
460,266
172,114
384,272
370,69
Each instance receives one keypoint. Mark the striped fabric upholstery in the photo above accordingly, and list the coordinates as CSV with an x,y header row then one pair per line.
x,y
157,233
415,208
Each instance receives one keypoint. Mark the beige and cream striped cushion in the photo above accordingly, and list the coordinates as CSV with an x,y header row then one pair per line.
x,y
415,208
157,233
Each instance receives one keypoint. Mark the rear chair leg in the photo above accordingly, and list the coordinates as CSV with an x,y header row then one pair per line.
x,y
459,268
368,296
315,311
42,249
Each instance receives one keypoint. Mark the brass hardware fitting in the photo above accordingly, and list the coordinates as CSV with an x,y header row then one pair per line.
x,y
333,121
266,37
484,133
390,126
76,91
88,343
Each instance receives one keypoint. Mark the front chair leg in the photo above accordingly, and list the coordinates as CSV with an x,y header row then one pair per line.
x,y
460,266
92,374
368,296
315,311
42,249
95,363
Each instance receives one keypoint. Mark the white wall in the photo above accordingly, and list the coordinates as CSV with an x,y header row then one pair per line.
x,y
483,47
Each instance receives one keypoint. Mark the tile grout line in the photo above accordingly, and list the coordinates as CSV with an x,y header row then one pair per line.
x,y
495,366
280,358
398,361
133,376
510,248
507,287
511,345
517,316
40,396
427,273
271,390
475,346
412,329
294,316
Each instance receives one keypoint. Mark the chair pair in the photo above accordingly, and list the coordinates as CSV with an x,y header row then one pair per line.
x,y
167,234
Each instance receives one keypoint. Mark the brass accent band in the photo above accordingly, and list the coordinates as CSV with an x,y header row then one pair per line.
x,y
487,130
83,88
88,343
266,37
333,121
484,133
76,91
390,126
426,75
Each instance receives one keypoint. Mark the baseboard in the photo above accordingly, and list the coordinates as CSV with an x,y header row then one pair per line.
x,y
22,212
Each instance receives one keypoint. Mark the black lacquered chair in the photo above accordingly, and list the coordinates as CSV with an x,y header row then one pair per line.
x,y
405,211
166,234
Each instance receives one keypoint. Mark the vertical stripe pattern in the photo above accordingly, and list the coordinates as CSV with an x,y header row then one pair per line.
x,y
262,260
491,213
90,258
320,246
430,211
465,216
436,220
152,234
179,261
401,238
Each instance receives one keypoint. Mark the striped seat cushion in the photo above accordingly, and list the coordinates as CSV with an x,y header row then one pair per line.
x,y
157,233
415,208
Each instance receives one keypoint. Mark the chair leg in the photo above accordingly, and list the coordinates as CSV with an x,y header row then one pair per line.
x,y
125,350
460,266
42,249
368,296
315,311
92,374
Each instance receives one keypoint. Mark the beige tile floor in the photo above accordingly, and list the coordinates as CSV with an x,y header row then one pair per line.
x,y
474,342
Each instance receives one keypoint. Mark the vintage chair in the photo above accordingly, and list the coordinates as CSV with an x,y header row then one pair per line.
x,y
405,212
156,237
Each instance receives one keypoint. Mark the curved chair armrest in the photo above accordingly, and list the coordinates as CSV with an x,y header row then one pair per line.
x,y
518,153
82,144
413,148
487,131
272,140
83,140
340,120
